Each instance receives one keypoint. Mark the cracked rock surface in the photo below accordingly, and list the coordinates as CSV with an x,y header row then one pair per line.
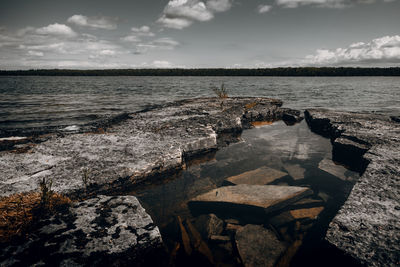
x,y
101,231
367,226
154,141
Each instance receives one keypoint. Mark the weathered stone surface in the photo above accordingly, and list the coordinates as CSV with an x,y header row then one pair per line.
x,y
208,225
101,231
367,226
142,144
265,197
258,246
295,171
260,176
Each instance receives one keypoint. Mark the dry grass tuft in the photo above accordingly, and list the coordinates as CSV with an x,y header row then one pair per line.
x,y
18,212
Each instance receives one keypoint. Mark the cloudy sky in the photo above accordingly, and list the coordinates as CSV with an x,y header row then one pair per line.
x,y
198,33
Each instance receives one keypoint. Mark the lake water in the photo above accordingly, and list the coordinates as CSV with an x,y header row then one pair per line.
x,y
27,102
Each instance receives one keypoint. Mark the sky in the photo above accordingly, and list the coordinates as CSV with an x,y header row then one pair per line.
x,y
101,34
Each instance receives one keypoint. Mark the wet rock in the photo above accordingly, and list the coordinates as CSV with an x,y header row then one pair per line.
x,y
140,145
208,225
310,213
257,198
306,203
291,117
220,238
295,171
330,167
102,231
232,227
366,227
260,176
258,246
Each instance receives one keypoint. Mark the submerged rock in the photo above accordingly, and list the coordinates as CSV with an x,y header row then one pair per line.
x,y
295,171
209,225
101,231
257,198
258,246
260,176
144,144
367,225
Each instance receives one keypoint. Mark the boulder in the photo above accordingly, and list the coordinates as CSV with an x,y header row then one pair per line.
x,y
101,231
260,176
258,246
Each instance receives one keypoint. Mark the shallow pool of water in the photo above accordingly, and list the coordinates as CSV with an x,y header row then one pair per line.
x,y
304,158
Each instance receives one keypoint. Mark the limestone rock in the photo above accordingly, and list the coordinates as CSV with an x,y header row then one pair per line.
x,y
260,176
367,225
258,246
132,148
102,231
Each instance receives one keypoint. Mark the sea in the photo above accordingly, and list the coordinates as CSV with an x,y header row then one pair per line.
x,y
61,102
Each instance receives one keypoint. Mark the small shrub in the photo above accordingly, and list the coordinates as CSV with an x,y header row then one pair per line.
x,y
220,92
45,193
19,212
86,177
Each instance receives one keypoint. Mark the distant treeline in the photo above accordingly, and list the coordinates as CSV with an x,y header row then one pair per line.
x,y
306,71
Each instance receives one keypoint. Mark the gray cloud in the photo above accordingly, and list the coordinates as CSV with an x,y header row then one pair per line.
x,y
93,22
179,14
263,8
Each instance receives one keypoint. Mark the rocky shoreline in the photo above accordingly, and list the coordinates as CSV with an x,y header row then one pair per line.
x,y
150,144
367,226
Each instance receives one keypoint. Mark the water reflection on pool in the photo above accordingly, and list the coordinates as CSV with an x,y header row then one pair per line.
x,y
296,156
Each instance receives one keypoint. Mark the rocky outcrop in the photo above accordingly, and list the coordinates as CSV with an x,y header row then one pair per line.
x,y
367,226
138,146
101,231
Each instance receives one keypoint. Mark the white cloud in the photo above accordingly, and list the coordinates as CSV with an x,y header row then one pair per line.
x,y
161,64
143,31
35,53
219,5
179,14
93,22
56,29
131,39
325,3
384,50
263,8
174,23
166,42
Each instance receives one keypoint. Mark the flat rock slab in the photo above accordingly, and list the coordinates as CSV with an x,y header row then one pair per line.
x,y
367,225
101,231
295,171
260,176
266,197
157,140
258,246
330,167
